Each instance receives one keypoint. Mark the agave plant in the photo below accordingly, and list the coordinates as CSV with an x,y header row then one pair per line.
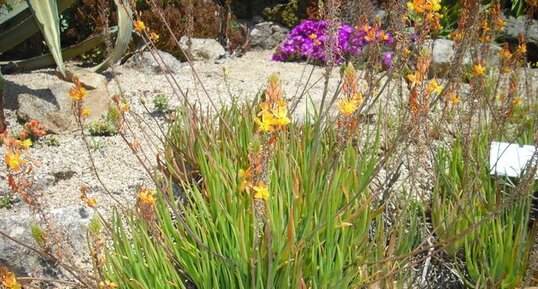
x,y
33,16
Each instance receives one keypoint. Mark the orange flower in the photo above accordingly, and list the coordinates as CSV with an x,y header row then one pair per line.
x,y
9,280
505,53
77,92
91,202
454,98
139,26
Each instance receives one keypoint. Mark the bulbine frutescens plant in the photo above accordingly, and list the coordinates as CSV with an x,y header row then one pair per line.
x,y
493,210
265,203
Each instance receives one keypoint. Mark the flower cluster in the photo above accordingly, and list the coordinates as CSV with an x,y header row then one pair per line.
x,y
77,94
19,166
426,13
273,111
421,89
308,40
140,26
352,96
33,130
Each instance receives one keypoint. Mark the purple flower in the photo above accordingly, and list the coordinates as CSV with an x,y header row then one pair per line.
x,y
308,41
387,58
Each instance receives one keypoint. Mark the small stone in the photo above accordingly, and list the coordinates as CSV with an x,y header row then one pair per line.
x,y
201,49
151,63
267,35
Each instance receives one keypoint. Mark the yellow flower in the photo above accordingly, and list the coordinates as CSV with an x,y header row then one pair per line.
x,y
139,26
522,48
347,106
85,113
27,143
154,36
266,122
91,202
517,101
14,161
281,116
434,86
244,176
125,107
147,197
10,281
413,78
261,191
478,70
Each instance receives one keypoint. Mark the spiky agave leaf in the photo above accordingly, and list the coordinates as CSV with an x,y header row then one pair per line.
x,y
19,24
125,28
46,14
47,60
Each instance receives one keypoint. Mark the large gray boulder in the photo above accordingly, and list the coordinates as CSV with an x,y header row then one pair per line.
x,y
443,54
73,221
199,49
267,35
52,106
156,62
513,28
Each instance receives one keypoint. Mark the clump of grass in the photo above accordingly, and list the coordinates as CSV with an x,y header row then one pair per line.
x,y
160,102
222,238
51,141
102,127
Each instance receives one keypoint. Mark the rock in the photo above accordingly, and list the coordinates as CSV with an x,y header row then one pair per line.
x,y
72,223
443,54
52,106
145,61
89,79
257,19
513,28
201,49
267,35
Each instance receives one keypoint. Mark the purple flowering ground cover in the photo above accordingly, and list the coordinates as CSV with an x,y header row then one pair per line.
x,y
307,41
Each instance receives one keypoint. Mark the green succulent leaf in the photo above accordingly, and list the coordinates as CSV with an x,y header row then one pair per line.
x,y
46,13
